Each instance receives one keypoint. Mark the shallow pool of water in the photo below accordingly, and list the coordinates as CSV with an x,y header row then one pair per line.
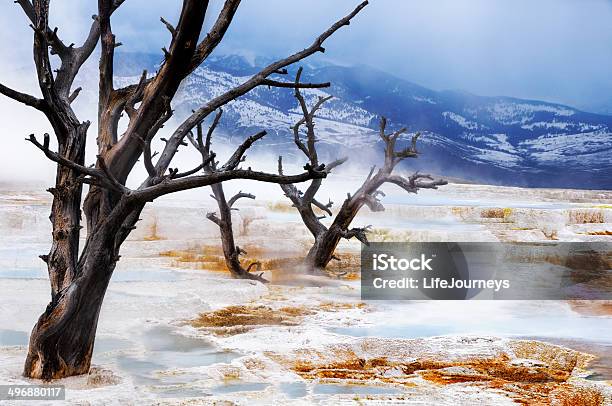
x,y
294,390
23,273
131,275
333,389
548,321
13,337
158,351
239,387
545,318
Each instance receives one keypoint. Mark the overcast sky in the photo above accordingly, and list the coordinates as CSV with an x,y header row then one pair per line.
x,y
553,50
557,50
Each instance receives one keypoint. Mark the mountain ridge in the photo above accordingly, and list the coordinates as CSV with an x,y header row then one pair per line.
x,y
493,139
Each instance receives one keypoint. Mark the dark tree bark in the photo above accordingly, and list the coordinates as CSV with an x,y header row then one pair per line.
x,y
231,251
62,341
328,238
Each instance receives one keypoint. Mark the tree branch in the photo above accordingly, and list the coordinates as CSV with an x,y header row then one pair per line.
x,y
109,175
335,164
188,173
325,207
24,98
135,95
74,94
100,175
72,58
373,203
414,183
238,155
359,233
216,34
290,190
213,217
153,110
148,158
237,196
55,42
291,85
176,185
169,26
199,115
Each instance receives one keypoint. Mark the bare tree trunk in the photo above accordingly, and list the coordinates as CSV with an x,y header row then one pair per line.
x,y
48,341
231,251
65,214
62,341
326,242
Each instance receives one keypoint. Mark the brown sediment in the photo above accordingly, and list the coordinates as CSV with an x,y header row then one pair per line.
x,y
338,306
586,267
99,377
207,257
204,258
586,216
497,369
605,232
285,207
568,395
529,372
239,319
282,263
153,232
590,260
462,212
592,307
496,213
280,207
210,258
352,367
563,394
249,316
348,267
590,268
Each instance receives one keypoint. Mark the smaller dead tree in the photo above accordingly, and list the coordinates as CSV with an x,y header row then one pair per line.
x,y
231,251
327,238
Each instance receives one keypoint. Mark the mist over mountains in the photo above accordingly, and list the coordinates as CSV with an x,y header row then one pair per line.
x,y
496,140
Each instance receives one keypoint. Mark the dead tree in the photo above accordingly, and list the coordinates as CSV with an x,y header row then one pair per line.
x,y
62,341
327,238
231,252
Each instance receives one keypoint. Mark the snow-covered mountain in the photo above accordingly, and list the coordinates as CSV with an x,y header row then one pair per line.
x,y
497,140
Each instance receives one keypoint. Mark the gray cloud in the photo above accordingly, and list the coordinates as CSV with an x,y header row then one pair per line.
x,y
557,50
